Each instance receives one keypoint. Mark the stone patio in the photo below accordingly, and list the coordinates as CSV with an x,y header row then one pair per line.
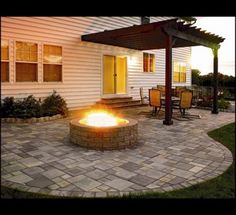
x,y
38,157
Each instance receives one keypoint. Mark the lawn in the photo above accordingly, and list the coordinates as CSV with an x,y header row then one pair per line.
x,y
222,186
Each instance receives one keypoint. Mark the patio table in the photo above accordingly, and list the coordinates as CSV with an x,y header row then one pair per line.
x,y
174,100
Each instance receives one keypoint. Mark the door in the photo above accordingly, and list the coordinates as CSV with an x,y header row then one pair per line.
x,y
114,74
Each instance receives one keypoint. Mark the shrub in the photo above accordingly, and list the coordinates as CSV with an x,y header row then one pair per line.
x,y
27,108
54,104
31,107
222,104
7,107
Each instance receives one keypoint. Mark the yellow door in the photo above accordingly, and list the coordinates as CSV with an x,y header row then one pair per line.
x,y
121,75
108,74
114,74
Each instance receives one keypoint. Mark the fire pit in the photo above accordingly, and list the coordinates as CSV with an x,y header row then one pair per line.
x,y
103,131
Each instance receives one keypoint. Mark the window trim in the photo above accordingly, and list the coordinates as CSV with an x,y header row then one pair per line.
x,y
61,64
179,72
154,62
31,62
7,61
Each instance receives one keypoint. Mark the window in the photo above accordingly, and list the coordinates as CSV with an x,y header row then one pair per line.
x,y
52,67
4,61
26,61
148,62
145,20
179,72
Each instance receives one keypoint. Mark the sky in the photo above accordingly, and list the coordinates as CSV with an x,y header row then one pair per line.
x,y
202,57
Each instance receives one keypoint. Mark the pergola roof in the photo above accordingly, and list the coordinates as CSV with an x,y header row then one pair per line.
x,y
153,36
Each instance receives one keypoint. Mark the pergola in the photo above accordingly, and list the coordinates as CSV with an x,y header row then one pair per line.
x,y
163,35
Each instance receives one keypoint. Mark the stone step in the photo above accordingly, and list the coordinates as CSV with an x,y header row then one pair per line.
x,y
127,105
118,104
115,99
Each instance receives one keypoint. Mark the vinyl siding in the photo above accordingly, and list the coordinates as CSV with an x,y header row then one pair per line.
x,y
82,61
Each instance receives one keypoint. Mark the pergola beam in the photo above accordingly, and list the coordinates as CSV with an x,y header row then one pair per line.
x,y
191,38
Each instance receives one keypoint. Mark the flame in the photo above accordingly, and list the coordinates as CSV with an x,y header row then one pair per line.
x,y
102,119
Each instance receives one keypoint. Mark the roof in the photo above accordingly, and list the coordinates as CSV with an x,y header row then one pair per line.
x,y
153,36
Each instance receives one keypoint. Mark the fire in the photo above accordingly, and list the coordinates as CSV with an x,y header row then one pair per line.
x,y
102,119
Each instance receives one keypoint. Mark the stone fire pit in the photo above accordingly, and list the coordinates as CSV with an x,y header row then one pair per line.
x,y
119,136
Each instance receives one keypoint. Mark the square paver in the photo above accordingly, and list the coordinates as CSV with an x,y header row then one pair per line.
x,y
196,169
21,178
149,154
14,167
74,171
103,166
41,182
119,184
53,173
30,162
183,166
182,173
130,166
86,183
142,180
177,180
123,173
33,170
96,174
153,173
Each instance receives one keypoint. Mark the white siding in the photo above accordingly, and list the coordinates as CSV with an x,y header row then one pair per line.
x,y
82,61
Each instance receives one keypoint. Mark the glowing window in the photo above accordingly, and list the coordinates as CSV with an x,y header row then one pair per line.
x,y
52,67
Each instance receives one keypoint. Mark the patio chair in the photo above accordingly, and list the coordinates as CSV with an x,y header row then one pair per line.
x,y
155,100
186,97
162,89
144,99
178,91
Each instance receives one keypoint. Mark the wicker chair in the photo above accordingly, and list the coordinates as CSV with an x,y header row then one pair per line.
x,y
186,97
162,89
144,99
155,100
178,91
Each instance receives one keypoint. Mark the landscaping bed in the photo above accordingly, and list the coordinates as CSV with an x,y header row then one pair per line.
x,y
30,109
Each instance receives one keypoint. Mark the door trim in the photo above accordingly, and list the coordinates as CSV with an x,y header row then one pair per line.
x,y
102,74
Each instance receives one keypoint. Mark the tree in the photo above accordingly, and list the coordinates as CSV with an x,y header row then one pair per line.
x,y
196,78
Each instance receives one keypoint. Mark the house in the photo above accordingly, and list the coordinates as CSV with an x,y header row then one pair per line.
x,y
42,54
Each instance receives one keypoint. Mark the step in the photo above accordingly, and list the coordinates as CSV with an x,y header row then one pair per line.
x,y
114,103
126,106
118,105
111,102
113,99
117,97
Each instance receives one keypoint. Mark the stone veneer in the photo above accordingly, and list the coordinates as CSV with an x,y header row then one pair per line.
x,y
104,138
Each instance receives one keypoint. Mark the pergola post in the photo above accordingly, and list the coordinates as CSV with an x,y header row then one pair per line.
x,y
215,81
168,81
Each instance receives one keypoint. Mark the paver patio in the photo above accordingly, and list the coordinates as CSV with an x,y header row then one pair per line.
x,y
38,157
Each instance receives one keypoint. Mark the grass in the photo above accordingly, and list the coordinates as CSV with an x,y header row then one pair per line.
x,y
222,186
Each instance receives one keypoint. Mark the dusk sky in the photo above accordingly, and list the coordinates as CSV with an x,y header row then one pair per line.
x,y
202,57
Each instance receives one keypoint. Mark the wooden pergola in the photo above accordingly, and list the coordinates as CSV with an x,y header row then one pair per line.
x,y
163,35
